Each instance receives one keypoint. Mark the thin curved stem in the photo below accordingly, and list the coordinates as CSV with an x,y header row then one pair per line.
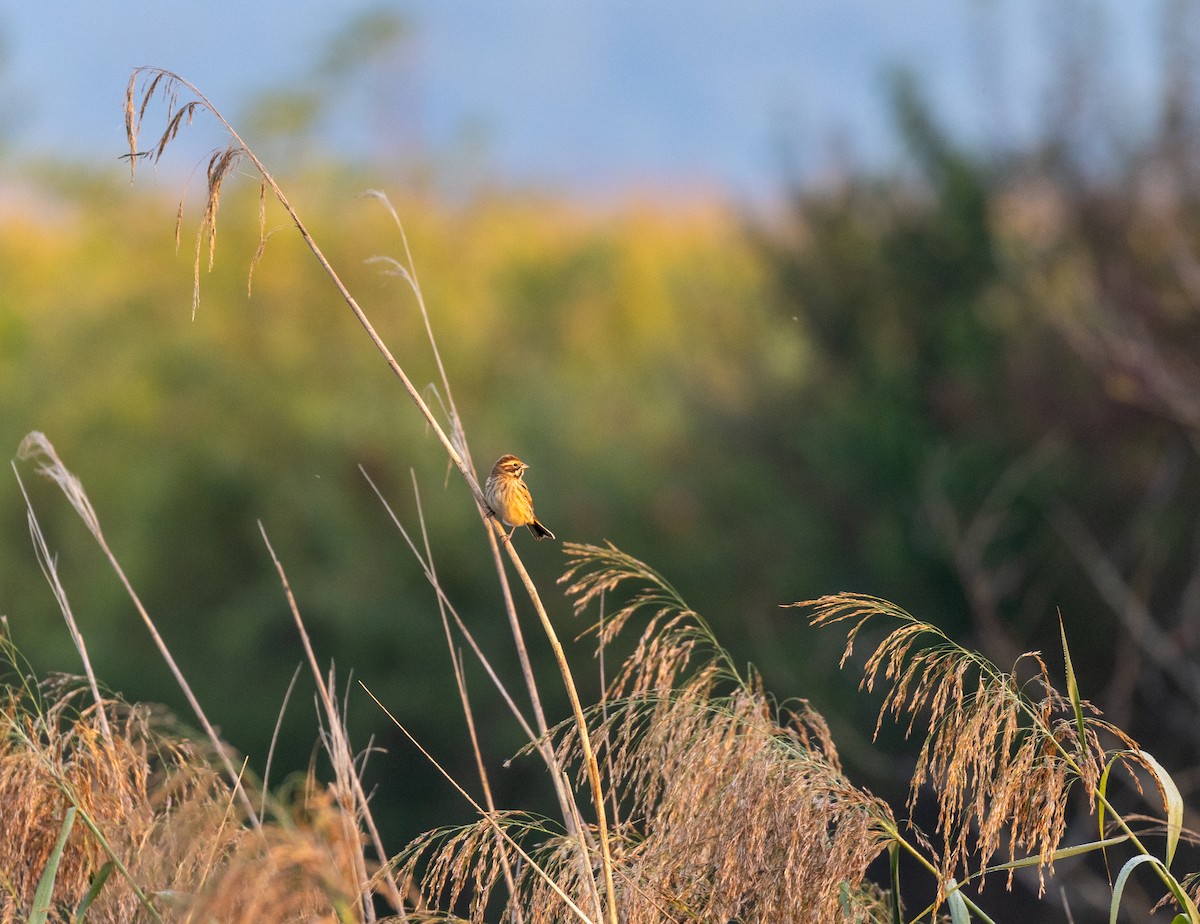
x,y
585,742
460,459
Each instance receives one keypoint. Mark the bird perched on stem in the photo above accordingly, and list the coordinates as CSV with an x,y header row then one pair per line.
x,y
508,496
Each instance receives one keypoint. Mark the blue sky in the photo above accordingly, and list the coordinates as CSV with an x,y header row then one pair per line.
x,y
584,96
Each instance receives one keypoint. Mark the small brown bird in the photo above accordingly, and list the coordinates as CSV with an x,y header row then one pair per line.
x,y
509,498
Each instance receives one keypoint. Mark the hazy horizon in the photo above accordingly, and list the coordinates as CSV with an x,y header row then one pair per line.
x,y
584,98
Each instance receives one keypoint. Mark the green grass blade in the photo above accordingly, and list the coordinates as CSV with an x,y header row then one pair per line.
x,y
45,886
1061,854
958,908
1102,790
1122,878
1172,801
894,862
93,890
1190,915
1072,685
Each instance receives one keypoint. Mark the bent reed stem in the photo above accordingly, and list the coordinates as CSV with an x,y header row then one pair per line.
x,y
458,435
459,460
585,743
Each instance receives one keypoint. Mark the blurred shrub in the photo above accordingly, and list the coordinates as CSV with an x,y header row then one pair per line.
x,y
999,420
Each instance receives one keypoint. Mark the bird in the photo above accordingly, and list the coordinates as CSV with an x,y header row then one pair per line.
x,y
508,496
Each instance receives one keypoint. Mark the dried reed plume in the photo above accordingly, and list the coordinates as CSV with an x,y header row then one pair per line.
x,y
733,809
1001,753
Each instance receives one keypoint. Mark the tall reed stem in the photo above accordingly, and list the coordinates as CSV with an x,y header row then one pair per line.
x,y
220,164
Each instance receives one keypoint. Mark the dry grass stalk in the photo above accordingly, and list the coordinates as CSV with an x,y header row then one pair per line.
x,y
561,784
464,697
143,85
1002,754
37,448
351,798
445,603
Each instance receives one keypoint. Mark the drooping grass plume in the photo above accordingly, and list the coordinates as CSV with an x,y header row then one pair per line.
x,y
736,809
1003,750
737,812
673,636
733,813
726,807
348,792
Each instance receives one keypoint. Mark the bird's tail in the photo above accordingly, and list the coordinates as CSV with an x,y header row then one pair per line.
x,y
539,531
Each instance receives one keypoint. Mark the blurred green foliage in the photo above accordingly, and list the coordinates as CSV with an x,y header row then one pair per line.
x,y
581,341
910,385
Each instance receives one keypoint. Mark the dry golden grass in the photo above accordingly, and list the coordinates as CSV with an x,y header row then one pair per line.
x,y
729,814
1003,750
728,808
152,801
137,791
302,868
735,812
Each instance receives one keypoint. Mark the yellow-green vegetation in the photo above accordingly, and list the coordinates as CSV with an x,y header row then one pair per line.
x,y
197,429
